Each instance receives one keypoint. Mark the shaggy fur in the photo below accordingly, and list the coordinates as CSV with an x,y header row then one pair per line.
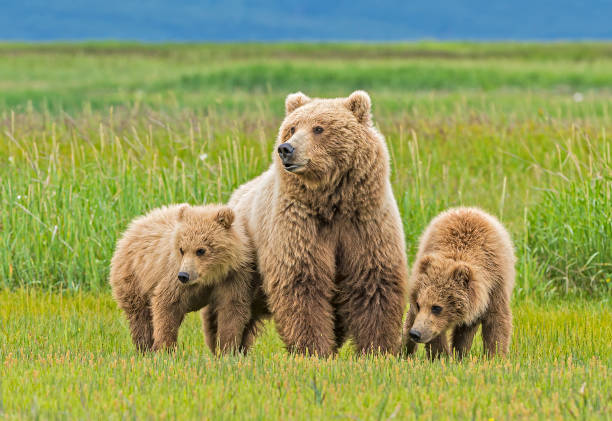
x,y
200,241
464,266
328,234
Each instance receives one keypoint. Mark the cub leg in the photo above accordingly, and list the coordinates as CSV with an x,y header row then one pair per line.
x,y
408,345
167,318
462,338
438,346
209,324
497,329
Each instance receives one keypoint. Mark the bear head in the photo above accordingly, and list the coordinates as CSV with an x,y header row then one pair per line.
x,y
323,138
206,243
443,294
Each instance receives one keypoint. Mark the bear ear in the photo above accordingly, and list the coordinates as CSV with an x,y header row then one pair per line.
x,y
181,212
225,217
425,263
295,101
463,273
359,104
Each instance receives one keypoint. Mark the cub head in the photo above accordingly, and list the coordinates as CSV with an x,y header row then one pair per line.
x,y
321,138
206,243
440,296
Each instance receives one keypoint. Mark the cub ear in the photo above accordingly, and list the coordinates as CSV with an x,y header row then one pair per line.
x,y
181,212
359,104
295,101
463,273
425,263
225,217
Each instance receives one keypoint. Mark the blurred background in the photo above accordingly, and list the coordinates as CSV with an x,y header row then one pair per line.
x,y
317,20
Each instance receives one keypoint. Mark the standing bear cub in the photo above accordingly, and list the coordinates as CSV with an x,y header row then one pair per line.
x,y
178,259
462,278
328,234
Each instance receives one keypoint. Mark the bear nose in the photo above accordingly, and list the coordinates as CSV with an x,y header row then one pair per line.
x,y
183,277
285,151
415,335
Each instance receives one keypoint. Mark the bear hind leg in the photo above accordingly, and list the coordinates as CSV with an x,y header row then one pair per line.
x,y
497,329
141,327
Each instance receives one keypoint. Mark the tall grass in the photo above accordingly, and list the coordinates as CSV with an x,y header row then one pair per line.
x,y
71,184
570,228
194,122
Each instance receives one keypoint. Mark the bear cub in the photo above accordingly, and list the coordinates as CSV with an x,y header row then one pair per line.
x,y
178,259
462,278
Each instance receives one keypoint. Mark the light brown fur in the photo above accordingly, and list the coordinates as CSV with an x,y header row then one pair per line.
x,y
465,265
157,247
328,233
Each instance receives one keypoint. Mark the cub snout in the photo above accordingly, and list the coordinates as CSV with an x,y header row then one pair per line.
x,y
415,335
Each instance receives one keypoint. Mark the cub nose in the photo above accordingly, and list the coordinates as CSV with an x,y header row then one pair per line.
x,y
415,335
285,151
183,277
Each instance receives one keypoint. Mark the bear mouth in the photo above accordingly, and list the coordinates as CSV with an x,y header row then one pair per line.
x,y
292,167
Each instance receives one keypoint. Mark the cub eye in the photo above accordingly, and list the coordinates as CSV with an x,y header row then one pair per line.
x,y
200,252
436,309
292,130
182,252
418,307
318,130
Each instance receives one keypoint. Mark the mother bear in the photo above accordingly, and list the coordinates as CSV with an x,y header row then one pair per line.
x,y
327,230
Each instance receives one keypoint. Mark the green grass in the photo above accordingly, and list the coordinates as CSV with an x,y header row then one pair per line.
x,y
92,135
69,356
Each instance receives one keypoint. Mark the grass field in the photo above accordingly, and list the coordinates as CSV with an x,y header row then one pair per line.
x,y
92,135
69,356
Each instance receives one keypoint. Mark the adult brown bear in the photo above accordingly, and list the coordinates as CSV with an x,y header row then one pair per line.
x,y
327,230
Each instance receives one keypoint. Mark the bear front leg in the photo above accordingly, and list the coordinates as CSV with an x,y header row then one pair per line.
x,y
408,345
463,336
376,305
373,272
304,318
167,318
209,325
497,329
437,346
298,268
232,321
299,296
232,303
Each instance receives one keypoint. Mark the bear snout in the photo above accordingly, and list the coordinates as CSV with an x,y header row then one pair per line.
x,y
415,335
183,277
286,152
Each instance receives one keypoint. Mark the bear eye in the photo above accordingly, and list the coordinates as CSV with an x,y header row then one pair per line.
x,y
181,250
200,252
436,309
317,129
292,130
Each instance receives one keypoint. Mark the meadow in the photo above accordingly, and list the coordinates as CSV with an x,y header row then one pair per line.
x,y
92,135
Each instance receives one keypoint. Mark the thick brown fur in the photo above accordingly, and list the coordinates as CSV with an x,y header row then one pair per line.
x,y
159,245
328,234
465,266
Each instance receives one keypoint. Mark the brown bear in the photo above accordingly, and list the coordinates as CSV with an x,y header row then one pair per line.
x,y
462,278
178,259
327,230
